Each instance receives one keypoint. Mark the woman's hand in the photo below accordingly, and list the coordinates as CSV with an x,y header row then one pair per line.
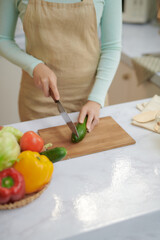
x,y
92,109
44,78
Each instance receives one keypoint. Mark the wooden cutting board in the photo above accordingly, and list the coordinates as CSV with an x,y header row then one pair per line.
x,y
107,135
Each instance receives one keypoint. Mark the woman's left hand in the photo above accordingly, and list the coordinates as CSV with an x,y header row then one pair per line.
x,y
92,109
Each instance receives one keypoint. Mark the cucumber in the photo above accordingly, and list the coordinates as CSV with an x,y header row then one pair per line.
x,y
55,154
81,129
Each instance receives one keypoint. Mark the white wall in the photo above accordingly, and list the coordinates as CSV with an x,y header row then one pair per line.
x,y
10,76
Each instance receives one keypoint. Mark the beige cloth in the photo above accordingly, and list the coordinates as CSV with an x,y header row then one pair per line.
x,y
152,105
65,37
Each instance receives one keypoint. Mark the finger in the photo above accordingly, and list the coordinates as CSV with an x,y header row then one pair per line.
x,y
45,87
38,84
94,123
82,115
56,94
89,121
55,91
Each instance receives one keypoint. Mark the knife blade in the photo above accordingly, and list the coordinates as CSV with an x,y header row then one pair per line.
x,y
64,115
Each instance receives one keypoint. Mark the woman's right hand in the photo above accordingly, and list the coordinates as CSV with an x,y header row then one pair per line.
x,y
44,78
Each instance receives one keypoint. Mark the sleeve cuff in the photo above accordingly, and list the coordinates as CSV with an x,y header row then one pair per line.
x,y
30,69
98,100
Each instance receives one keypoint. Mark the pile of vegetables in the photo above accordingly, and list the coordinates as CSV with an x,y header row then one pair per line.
x,y
24,167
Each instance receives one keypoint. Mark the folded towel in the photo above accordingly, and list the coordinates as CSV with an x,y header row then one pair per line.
x,y
141,106
149,117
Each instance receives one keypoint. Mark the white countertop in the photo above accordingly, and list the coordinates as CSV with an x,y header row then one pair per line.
x,y
139,39
113,194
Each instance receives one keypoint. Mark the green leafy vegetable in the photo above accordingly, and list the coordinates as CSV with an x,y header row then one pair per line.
x,y
9,150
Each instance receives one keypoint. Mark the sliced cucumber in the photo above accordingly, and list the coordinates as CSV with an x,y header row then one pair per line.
x,y
81,129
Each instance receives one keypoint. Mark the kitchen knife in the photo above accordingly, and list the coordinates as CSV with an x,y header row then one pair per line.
x,y
64,114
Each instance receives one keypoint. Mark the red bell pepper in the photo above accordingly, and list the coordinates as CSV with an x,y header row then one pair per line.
x,y
12,185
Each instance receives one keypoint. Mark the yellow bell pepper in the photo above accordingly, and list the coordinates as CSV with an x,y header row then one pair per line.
x,y
36,169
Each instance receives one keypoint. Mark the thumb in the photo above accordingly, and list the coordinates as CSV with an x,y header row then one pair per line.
x,y
82,115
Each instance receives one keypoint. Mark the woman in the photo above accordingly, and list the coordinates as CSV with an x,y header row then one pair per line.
x,y
63,53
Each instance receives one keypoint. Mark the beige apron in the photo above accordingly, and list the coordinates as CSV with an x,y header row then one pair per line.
x,y
64,36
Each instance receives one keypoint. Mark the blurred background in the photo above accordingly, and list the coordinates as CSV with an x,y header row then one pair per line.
x,y
138,74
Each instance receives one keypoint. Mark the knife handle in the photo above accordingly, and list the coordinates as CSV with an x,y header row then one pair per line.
x,y
52,95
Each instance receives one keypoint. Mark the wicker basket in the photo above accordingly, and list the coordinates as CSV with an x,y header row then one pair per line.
x,y
27,199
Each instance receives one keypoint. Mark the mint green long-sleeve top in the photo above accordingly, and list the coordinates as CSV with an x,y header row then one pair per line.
x,y
109,23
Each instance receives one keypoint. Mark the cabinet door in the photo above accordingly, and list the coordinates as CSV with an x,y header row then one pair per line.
x,y
125,87
9,87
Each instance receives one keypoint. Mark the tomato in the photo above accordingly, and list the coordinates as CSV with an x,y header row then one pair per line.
x,y
31,141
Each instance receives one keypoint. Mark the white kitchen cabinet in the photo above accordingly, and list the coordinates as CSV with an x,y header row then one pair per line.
x,y
125,86
10,76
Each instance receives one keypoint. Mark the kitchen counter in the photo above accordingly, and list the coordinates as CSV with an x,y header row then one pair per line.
x,y
113,194
139,40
